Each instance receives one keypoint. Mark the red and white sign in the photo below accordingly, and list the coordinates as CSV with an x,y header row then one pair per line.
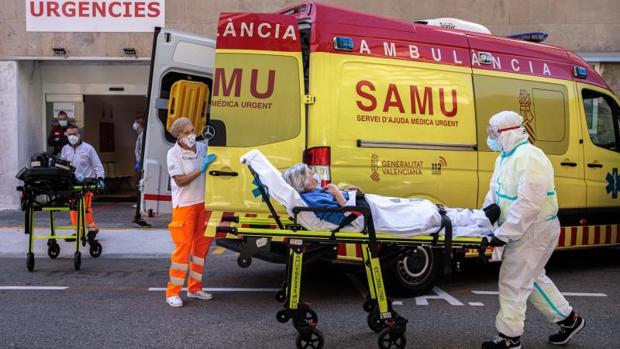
x,y
94,15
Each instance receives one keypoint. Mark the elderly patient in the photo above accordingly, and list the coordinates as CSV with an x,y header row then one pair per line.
x,y
403,216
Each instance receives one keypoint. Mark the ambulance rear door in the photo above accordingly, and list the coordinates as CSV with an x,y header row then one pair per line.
x,y
256,103
180,81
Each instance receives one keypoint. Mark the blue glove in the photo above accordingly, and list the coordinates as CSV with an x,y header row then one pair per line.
x,y
206,161
137,166
100,184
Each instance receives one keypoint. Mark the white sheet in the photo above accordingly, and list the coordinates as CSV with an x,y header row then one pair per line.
x,y
397,216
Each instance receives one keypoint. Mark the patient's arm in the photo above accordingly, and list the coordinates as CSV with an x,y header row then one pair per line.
x,y
333,189
348,186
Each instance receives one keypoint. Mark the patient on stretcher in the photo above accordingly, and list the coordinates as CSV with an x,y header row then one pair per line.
x,y
400,216
404,217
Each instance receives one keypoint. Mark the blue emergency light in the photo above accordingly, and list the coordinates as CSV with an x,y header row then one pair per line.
x,y
342,43
531,36
580,72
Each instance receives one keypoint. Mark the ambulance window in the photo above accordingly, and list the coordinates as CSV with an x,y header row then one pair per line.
x,y
602,123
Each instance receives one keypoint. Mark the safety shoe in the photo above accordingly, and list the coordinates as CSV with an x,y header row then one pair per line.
x,y
568,328
141,223
174,301
200,295
503,342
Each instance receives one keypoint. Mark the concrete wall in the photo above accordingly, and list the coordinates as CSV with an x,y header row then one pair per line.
x,y
21,105
572,24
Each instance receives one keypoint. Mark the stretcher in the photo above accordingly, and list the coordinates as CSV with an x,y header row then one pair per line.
x,y
381,317
50,186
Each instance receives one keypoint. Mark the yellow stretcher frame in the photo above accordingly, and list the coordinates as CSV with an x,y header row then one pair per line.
x,y
80,236
381,316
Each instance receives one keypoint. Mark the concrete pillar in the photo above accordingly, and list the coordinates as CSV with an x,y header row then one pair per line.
x,y
21,122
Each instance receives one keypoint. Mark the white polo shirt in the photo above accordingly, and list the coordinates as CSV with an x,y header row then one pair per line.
x,y
85,160
181,162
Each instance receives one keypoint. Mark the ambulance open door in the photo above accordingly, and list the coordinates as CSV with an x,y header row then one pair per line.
x,y
256,103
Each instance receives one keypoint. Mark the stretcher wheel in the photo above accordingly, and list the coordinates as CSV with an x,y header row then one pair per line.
x,y
95,249
282,316
311,316
280,296
369,305
244,262
30,261
374,321
391,339
312,340
53,250
77,260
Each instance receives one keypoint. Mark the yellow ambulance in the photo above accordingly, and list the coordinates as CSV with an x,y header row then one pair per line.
x,y
397,108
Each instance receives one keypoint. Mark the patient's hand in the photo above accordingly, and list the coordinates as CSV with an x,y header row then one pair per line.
x,y
353,187
333,189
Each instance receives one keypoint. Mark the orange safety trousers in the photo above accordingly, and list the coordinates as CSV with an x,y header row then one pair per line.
x,y
90,219
187,230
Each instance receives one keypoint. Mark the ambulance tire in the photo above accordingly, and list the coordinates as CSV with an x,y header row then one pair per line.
x,y
313,340
414,273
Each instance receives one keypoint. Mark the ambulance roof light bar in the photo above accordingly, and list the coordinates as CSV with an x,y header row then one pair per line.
x,y
531,36
455,23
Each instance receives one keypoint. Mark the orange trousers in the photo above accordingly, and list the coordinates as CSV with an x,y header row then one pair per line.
x,y
187,230
90,219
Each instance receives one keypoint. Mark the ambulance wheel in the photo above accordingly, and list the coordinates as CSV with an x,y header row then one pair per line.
x,y
244,262
414,273
77,260
369,304
313,340
53,250
95,249
282,316
30,261
374,321
280,296
391,339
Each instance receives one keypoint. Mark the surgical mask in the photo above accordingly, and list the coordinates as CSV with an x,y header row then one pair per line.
x,y
63,123
493,144
73,139
189,140
134,126
317,178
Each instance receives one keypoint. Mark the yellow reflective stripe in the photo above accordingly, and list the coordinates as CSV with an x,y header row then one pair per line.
x,y
197,260
179,266
214,221
177,281
196,276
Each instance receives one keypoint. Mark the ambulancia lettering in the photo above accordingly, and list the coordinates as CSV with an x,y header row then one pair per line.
x,y
263,30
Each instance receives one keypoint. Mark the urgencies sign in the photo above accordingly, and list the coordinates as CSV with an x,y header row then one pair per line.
x,y
94,15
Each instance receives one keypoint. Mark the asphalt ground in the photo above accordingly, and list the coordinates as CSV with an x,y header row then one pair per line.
x,y
108,305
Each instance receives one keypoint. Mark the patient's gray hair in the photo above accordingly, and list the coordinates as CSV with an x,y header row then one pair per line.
x,y
296,176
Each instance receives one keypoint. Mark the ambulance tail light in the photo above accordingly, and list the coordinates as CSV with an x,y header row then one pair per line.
x,y
319,160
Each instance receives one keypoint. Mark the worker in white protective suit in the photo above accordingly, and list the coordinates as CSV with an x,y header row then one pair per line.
x,y
523,186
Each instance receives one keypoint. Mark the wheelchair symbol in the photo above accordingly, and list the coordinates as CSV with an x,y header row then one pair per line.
x,y
208,132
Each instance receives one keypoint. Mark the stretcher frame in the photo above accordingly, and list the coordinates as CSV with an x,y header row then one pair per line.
x,y
381,316
64,201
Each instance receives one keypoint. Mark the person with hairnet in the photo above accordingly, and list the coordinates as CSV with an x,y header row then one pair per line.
x,y
523,186
187,163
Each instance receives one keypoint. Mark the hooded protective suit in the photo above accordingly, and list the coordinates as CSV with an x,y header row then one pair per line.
x,y
523,186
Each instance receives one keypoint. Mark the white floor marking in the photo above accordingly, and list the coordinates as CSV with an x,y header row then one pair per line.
x,y
33,288
476,304
222,289
397,303
567,294
440,294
